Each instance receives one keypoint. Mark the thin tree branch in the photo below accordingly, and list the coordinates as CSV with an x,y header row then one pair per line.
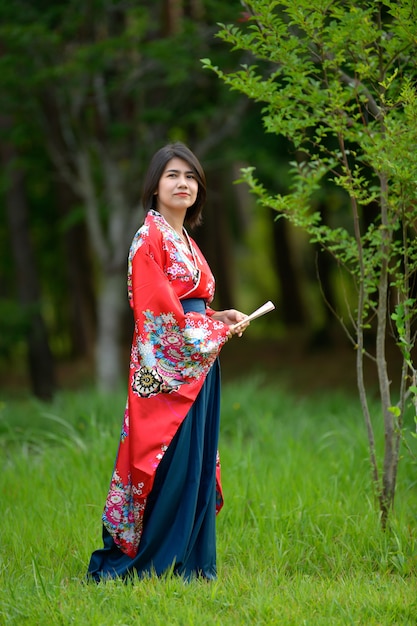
x,y
89,196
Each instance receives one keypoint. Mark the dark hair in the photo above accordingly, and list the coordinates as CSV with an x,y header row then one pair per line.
x,y
156,169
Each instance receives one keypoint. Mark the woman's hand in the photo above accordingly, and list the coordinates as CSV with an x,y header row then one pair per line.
x,y
232,317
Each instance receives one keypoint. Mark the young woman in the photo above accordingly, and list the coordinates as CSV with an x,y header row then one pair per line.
x,y
165,489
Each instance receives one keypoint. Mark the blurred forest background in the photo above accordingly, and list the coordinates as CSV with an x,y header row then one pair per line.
x,y
89,89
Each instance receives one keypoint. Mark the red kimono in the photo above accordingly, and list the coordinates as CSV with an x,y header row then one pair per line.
x,y
171,354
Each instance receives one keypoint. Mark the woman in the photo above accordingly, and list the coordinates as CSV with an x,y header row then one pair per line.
x,y
165,489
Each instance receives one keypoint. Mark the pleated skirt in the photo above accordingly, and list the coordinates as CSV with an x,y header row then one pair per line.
x,y
179,533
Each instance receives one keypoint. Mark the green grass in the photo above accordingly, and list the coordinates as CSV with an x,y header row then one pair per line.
x,y
299,540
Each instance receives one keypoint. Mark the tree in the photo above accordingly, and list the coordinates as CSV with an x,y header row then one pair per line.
x,y
108,83
338,80
40,361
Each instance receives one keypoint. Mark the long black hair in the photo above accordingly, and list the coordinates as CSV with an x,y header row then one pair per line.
x,y
156,169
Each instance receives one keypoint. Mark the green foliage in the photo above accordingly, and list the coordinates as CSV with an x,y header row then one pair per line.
x,y
402,317
295,546
89,91
108,70
337,80
14,322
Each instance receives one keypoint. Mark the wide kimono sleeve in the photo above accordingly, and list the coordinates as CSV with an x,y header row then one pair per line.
x,y
171,348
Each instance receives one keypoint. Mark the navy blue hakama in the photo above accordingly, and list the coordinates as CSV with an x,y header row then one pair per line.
x,y
179,532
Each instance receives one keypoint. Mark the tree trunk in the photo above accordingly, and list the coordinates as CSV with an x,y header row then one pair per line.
x,y
111,245
172,16
110,308
40,361
324,265
81,299
292,305
389,475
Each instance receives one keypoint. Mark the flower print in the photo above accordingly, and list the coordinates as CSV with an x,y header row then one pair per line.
x,y
176,270
171,377
145,349
150,326
114,514
159,456
116,501
146,381
137,242
125,427
168,355
188,372
129,539
210,346
146,352
171,353
168,318
137,491
194,334
173,339
134,353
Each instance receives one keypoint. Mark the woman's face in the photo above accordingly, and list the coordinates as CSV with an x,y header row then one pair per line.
x,y
177,189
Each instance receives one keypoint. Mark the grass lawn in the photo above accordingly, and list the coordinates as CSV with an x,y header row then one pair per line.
x,y
299,540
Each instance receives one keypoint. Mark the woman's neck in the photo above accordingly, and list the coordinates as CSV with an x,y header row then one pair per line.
x,y
175,221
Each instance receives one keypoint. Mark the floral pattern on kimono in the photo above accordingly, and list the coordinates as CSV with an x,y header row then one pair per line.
x,y
171,355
